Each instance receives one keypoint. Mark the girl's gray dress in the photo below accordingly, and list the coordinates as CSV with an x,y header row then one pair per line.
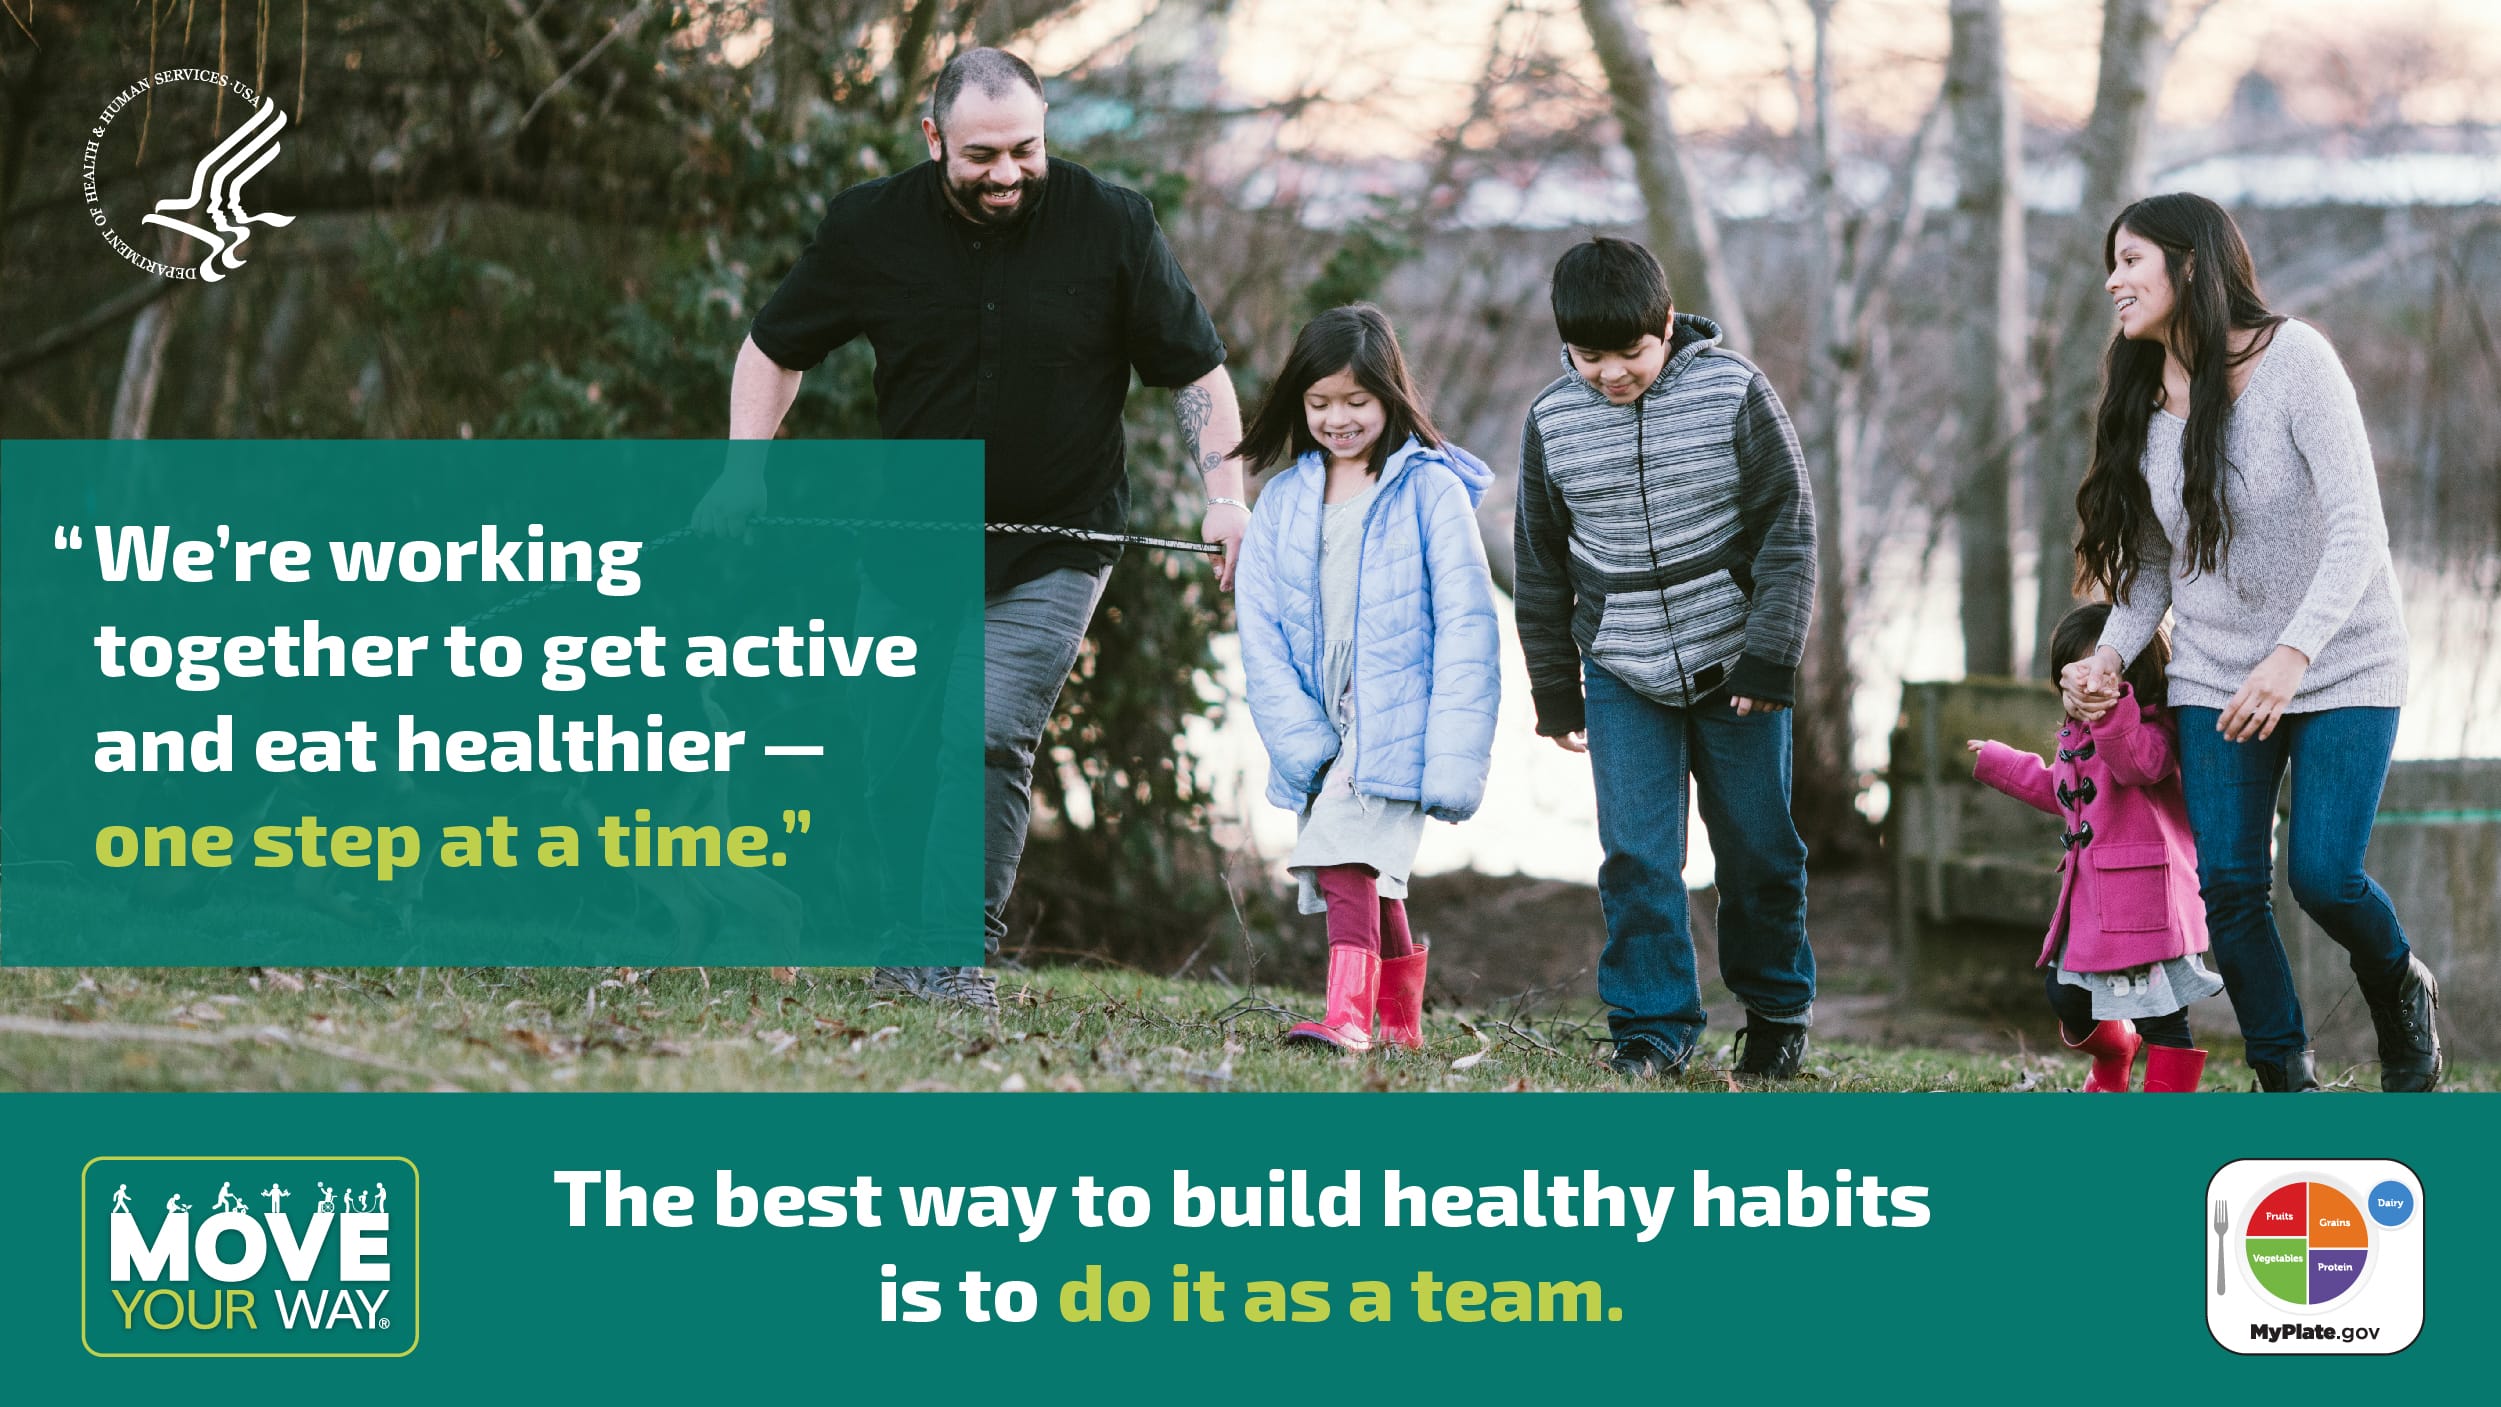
x,y
2157,989
1340,827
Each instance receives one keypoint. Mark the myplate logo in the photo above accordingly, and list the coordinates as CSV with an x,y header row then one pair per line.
x,y
271,1257
213,214
2322,1255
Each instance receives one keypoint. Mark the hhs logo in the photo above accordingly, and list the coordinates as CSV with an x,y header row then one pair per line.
x,y
288,1257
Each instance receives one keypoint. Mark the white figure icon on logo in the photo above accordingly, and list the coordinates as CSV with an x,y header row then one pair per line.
x,y
217,193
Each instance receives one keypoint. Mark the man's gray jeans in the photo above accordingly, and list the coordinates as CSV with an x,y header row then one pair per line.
x,y
1029,640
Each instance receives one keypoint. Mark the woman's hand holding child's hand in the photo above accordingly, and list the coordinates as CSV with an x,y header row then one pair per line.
x,y
2090,686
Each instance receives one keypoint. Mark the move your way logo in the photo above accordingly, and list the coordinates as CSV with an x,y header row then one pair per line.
x,y
213,211
263,1257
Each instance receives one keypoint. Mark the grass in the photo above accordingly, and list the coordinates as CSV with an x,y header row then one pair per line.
x,y
821,1029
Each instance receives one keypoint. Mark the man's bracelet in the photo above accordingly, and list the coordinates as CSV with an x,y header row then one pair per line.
x,y
1234,501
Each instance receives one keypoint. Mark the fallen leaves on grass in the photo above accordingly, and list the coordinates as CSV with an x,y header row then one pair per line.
x,y
544,1044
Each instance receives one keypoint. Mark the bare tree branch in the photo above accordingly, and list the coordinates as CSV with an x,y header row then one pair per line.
x,y
1904,217
2196,17
88,324
623,27
1681,226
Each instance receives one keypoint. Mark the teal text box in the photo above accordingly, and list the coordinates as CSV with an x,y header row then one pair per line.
x,y
564,727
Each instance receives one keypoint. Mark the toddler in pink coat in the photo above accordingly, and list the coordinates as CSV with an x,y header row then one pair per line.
x,y
2121,952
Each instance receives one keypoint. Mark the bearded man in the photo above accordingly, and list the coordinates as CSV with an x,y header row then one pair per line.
x,y
1008,296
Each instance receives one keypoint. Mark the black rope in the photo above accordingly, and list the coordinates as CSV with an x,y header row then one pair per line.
x,y
1165,544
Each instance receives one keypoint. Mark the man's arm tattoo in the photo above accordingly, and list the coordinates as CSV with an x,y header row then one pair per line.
x,y
1196,407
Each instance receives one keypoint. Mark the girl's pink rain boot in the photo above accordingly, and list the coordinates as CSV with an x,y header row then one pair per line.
x,y
1354,996
2173,1070
2112,1044
1402,999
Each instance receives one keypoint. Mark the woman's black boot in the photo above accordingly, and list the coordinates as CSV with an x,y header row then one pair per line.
x,y
2409,1044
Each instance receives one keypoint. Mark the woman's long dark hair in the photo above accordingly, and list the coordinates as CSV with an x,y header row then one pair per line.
x,y
2196,238
1355,338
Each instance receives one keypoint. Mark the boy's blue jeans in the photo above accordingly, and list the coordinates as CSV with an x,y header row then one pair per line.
x,y
2339,761
1641,753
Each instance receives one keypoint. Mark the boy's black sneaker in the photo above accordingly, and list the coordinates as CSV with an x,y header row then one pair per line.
x,y
1773,1049
2295,1076
1640,1060
2410,1061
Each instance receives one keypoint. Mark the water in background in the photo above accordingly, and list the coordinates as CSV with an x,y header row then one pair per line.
x,y
1539,816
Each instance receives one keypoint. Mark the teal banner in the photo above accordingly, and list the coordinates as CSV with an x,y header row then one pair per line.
x,y
644,1247
493,703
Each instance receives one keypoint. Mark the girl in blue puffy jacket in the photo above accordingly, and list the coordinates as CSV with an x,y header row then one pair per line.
x,y
1368,635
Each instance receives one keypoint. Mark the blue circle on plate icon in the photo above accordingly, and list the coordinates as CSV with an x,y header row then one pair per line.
x,y
2392,1203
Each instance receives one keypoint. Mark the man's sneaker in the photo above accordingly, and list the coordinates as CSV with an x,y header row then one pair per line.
x,y
975,988
2410,1061
1640,1060
971,987
897,981
1773,1049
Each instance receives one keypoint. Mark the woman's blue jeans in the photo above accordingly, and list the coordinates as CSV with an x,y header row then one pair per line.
x,y
1640,753
2339,760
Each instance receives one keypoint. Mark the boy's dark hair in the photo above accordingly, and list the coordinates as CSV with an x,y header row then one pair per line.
x,y
2081,631
1357,339
1609,294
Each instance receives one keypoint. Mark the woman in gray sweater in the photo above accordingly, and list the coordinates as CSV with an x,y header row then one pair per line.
x,y
2232,482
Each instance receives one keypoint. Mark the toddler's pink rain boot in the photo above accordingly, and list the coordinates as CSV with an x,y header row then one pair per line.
x,y
2112,1044
2173,1069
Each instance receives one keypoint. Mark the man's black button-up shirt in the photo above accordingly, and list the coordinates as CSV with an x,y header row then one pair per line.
x,y
1020,336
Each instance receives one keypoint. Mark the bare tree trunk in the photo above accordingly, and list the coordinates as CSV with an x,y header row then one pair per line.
x,y
2133,54
1989,327
143,369
911,50
1849,273
1824,788
273,367
793,64
1682,232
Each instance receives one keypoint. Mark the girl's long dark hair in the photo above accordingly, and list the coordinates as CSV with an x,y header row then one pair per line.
x,y
2214,292
1355,338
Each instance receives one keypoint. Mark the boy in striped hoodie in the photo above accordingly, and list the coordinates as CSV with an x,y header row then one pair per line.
x,y
1665,539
